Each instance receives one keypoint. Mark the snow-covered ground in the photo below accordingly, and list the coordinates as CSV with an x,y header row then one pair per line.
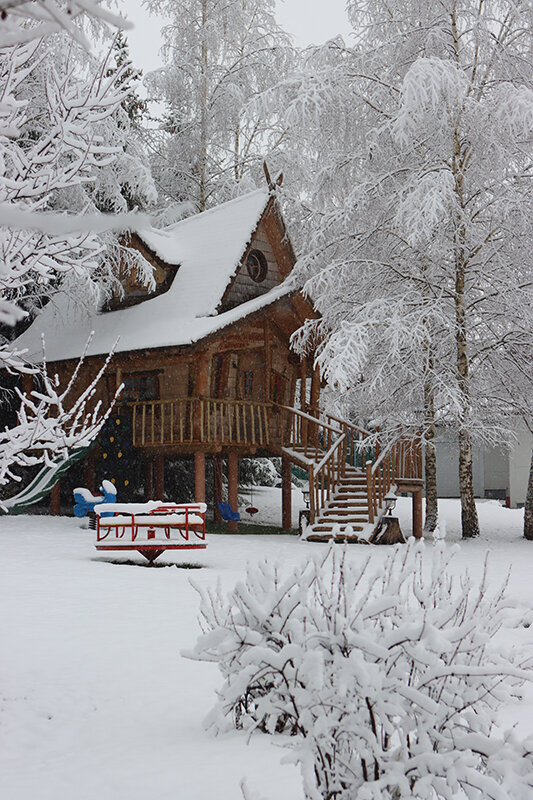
x,y
96,701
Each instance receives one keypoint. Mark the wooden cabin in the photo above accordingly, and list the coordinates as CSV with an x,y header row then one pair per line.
x,y
205,359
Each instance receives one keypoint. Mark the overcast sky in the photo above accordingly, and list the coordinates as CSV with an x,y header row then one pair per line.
x,y
310,22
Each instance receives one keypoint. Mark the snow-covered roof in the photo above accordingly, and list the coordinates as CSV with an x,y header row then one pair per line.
x,y
208,249
154,323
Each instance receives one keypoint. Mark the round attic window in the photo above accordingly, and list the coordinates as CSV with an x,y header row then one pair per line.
x,y
257,266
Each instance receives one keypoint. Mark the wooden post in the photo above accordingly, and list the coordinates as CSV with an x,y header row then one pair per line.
x,y
370,491
149,479
303,384
267,375
315,389
314,401
417,514
233,486
303,400
55,500
201,390
159,477
199,476
286,494
27,384
217,488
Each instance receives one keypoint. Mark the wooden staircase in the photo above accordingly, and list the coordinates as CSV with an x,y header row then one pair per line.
x,y
352,480
347,507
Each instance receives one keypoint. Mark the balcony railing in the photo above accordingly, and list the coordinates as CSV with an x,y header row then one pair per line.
x,y
196,420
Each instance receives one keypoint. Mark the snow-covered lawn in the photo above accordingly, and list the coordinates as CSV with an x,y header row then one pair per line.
x,y
96,701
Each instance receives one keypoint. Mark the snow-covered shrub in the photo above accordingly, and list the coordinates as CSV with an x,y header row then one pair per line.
x,y
259,471
387,678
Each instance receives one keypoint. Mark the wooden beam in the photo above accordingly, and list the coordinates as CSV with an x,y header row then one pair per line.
x,y
417,514
201,384
233,487
55,500
303,384
268,362
315,388
148,479
217,488
286,494
159,477
199,477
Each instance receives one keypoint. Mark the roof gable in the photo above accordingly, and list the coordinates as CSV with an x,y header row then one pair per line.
x,y
207,250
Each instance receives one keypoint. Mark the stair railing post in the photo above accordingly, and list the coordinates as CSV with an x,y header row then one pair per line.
x,y
312,498
344,452
369,491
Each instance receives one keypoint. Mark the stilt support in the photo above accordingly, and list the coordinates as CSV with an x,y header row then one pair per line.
x,y
233,487
286,494
159,478
55,500
217,488
199,477
417,514
149,479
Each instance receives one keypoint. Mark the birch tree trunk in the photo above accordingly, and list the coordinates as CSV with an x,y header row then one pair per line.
x,y
203,116
469,518
528,508
432,508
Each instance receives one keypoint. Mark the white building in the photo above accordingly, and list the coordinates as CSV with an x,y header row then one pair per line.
x,y
498,473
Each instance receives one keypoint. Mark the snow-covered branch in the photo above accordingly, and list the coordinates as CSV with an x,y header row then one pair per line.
x,y
386,682
51,420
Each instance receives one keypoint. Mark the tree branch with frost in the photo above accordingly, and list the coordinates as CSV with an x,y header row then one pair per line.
x,y
386,682
52,420
47,17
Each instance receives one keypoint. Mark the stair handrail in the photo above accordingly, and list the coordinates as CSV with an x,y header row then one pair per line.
x,y
343,422
331,450
360,435
309,417
325,475
383,470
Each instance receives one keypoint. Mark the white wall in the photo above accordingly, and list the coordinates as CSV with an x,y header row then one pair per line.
x,y
519,463
448,467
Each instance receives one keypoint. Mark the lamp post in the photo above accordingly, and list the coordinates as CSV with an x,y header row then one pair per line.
x,y
390,502
303,520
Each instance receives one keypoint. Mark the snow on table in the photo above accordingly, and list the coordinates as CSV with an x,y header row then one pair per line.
x,y
95,699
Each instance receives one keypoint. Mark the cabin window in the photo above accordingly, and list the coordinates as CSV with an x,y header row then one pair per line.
x,y
140,386
257,266
248,383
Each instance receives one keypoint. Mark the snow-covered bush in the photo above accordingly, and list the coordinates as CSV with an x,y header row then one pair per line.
x,y
259,471
387,678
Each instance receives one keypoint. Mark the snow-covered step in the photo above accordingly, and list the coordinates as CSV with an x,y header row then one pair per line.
x,y
321,529
342,518
350,502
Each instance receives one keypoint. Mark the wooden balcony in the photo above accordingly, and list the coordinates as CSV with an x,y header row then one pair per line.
x,y
196,421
